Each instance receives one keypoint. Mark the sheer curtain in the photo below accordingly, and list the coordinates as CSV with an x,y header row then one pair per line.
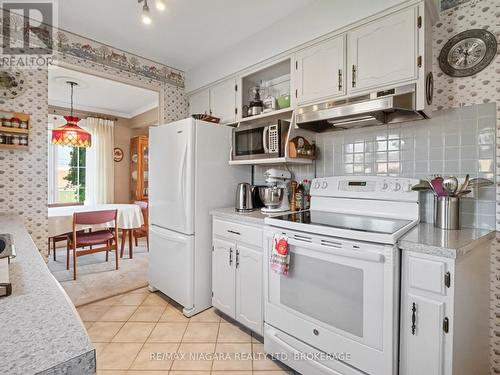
x,y
99,176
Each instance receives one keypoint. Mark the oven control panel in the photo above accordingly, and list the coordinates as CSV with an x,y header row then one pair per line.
x,y
369,187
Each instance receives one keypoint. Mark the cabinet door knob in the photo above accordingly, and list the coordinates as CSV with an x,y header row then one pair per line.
x,y
446,325
354,76
237,258
340,79
447,279
230,256
413,318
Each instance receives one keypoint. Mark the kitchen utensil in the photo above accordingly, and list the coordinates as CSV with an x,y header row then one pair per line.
x,y
244,199
422,186
256,106
447,212
437,186
271,196
463,192
479,182
464,185
450,185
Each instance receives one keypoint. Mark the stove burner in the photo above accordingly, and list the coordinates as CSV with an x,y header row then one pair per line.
x,y
358,223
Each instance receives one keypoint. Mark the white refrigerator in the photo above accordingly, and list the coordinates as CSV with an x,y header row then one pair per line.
x,y
189,175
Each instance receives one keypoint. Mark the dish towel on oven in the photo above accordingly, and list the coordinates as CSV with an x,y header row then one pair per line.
x,y
280,256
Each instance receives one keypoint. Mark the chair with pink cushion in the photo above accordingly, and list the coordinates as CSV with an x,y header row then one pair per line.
x,y
106,237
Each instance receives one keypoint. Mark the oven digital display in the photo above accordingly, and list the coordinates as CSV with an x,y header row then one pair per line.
x,y
357,183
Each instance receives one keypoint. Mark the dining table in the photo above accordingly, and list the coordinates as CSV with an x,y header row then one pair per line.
x,y
129,217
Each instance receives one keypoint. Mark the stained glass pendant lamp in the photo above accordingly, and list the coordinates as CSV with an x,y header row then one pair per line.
x,y
71,134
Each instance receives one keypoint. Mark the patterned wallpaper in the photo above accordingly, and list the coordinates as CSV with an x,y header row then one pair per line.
x,y
23,174
481,88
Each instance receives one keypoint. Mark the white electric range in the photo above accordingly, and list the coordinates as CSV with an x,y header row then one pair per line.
x,y
337,310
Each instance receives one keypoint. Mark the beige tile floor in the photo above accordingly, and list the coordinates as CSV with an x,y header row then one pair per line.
x,y
143,333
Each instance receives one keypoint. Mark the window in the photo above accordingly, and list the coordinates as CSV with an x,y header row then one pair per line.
x,y
66,170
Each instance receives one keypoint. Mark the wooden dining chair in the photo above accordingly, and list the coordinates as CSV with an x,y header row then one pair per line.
x,y
143,231
55,239
106,237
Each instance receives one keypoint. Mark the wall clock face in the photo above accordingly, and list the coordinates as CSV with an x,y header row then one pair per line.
x,y
12,84
468,53
117,154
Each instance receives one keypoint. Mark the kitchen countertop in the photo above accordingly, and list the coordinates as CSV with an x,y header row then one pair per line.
x,y
253,217
426,238
40,329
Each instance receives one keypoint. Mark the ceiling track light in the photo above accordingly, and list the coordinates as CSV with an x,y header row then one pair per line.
x,y
160,5
146,15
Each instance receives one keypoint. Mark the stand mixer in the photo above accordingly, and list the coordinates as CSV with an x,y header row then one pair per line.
x,y
275,194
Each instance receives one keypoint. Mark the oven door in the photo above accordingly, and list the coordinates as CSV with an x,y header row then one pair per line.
x,y
251,142
339,297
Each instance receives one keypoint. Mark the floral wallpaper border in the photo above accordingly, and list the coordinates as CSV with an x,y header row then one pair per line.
x,y
83,48
67,43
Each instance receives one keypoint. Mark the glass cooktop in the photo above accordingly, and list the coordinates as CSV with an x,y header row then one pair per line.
x,y
346,221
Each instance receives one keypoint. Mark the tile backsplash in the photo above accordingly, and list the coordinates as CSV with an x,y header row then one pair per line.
x,y
453,142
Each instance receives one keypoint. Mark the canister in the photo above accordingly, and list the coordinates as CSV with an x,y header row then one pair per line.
x,y
447,212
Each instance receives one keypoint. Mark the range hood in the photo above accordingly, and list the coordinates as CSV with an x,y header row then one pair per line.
x,y
382,107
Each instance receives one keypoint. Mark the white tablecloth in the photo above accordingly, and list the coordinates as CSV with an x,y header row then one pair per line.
x,y
61,218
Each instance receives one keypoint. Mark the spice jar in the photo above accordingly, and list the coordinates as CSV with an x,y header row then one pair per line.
x,y
6,122
2,139
8,139
15,140
23,140
23,124
14,122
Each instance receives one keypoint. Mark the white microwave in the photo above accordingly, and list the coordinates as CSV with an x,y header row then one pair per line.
x,y
259,141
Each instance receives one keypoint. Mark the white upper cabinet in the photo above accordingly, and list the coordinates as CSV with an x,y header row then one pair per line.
x,y
321,70
199,102
223,101
383,52
218,100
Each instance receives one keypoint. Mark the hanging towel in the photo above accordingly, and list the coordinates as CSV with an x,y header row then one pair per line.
x,y
280,256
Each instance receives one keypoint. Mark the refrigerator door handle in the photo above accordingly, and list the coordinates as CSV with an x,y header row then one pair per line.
x,y
182,182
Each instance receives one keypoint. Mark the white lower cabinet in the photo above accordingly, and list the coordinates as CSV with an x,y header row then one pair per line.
x,y
249,287
424,337
444,313
237,273
223,272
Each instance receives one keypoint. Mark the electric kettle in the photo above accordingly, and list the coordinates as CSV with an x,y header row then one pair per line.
x,y
244,198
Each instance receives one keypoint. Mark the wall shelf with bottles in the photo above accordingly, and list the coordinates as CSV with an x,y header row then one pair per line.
x,y
14,130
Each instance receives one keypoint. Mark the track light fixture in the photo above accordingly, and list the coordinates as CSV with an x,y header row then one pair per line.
x,y
146,14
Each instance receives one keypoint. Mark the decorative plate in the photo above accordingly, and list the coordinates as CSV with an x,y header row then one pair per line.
x,y
12,84
468,53
117,154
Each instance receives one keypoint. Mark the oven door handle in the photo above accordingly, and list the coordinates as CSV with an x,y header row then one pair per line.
x,y
355,254
274,337
265,139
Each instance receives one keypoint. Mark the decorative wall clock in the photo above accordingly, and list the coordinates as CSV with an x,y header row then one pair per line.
x,y
117,154
12,84
468,53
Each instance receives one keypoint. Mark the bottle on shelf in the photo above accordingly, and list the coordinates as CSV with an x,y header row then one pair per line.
x,y
307,193
293,185
299,197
